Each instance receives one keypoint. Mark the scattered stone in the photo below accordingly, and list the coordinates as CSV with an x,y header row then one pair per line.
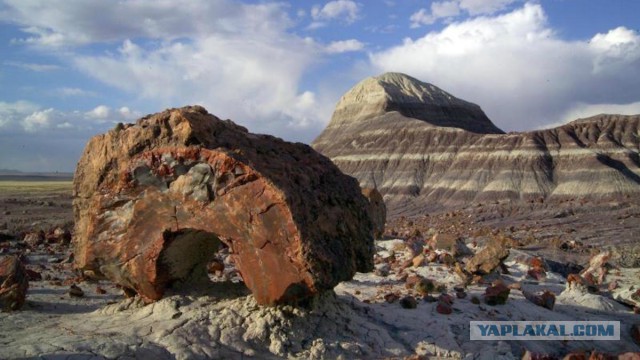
x,y
446,258
528,355
547,299
425,286
299,225
6,212
613,285
33,239
33,275
597,269
408,302
579,355
377,211
444,308
515,286
75,291
488,259
418,261
411,281
382,270
215,266
496,294
461,294
635,333
475,300
100,290
537,274
14,283
629,356
391,298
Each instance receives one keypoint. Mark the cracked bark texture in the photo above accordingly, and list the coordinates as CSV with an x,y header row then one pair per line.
x,y
153,199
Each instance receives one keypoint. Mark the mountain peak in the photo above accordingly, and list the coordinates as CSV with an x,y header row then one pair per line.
x,y
412,98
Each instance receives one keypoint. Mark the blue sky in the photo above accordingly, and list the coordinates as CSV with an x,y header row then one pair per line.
x,y
70,69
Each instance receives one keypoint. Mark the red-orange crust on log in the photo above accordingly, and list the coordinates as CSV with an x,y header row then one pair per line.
x,y
153,199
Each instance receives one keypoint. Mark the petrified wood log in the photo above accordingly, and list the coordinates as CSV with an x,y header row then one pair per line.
x,y
153,199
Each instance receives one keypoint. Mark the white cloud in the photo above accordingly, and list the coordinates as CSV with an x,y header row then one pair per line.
x,y
99,112
238,60
32,66
346,10
517,67
12,113
452,8
59,23
37,120
344,46
439,10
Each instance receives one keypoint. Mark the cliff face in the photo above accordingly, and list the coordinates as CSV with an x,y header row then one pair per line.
x,y
422,148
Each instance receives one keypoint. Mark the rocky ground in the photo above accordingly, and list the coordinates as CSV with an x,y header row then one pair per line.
x,y
433,275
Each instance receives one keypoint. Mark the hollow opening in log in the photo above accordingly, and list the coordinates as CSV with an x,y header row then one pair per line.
x,y
185,257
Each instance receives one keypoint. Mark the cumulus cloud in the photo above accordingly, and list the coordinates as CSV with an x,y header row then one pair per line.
x,y
344,46
518,69
451,8
339,9
99,112
238,60
344,10
64,22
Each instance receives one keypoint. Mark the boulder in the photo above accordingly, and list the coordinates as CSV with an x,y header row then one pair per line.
x,y
153,199
546,299
449,243
377,211
496,294
488,259
13,283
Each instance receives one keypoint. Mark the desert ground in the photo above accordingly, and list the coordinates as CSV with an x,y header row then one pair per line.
x,y
376,315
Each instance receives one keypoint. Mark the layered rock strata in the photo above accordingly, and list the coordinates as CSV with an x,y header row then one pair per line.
x,y
423,149
153,199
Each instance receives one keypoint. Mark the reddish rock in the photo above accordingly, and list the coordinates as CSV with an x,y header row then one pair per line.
x,y
13,283
75,291
444,308
152,200
537,274
596,355
579,355
629,356
635,333
215,266
34,239
377,211
537,262
418,261
391,298
100,290
528,355
496,294
58,235
33,275
488,258
411,281
408,302
546,299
